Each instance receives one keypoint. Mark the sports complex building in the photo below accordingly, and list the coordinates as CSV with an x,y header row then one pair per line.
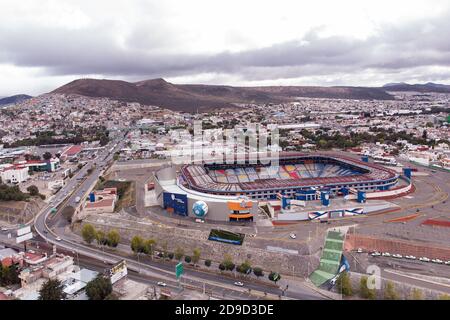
x,y
231,191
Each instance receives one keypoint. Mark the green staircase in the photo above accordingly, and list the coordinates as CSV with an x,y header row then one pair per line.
x,y
330,259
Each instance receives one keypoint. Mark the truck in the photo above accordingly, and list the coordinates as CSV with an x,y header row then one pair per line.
x,y
77,199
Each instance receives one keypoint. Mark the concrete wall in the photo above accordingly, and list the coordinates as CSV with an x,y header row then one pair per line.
x,y
188,239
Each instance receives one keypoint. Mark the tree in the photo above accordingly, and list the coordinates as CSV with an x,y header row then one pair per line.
x,y
99,288
274,276
33,190
364,290
196,255
70,175
208,263
52,290
113,238
149,246
68,213
188,259
222,267
9,275
179,253
115,157
416,294
258,272
245,267
88,233
389,292
80,166
47,156
424,134
137,244
344,284
228,262
170,255
101,238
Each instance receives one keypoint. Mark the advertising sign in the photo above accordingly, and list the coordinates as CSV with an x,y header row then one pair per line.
x,y
22,231
118,271
176,202
25,237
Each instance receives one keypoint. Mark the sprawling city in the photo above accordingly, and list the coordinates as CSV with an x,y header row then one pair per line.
x,y
118,188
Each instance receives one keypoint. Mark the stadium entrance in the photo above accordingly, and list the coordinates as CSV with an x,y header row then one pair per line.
x,y
240,218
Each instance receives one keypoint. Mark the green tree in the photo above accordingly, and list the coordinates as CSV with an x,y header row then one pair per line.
x,y
222,267
416,294
364,290
33,190
245,267
258,272
274,276
88,233
344,284
52,290
150,245
80,166
47,156
116,157
9,275
137,244
228,262
113,238
208,263
188,259
179,253
196,256
99,288
389,292
101,238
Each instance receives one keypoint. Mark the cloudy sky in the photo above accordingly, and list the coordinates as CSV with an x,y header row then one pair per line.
x,y
45,44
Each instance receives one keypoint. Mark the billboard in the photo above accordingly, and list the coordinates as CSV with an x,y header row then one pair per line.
x,y
22,231
176,202
226,236
118,271
25,237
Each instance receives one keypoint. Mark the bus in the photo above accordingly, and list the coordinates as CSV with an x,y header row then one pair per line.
x,y
388,161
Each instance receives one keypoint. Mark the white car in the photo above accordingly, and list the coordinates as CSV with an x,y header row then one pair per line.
x,y
375,254
399,256
359,250
437,261
424,259
293,236
386,254
410,257
447,263
4,229
239,284
58,239
161,284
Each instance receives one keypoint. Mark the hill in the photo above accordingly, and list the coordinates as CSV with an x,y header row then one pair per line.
x,y
192,97
426,87
14,99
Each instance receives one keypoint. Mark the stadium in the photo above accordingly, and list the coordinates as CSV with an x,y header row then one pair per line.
x,y
232,191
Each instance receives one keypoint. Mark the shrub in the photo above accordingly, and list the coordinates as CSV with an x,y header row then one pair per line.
x,y
208,263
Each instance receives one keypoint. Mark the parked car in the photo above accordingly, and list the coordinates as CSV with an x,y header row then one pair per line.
x,y
293,236
386,254
359,250
437,261
447,263
424,259
58,239
239,284
399,256
410,257
161,284
375,254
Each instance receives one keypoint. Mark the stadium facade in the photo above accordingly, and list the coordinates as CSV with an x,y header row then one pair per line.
x,y
231,191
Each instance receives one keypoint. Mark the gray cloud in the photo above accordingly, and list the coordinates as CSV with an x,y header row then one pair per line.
x,y
96,50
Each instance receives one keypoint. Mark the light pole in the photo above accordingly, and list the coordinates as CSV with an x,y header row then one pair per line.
x,y
78,258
